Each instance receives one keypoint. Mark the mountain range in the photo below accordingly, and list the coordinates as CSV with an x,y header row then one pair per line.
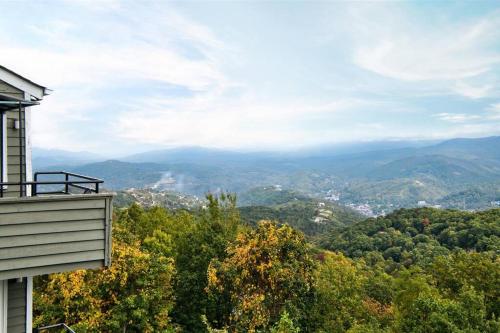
x,y
43,158
385,175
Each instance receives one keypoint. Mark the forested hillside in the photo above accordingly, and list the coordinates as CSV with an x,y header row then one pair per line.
x,y
416,236
386,179
311,216
416,270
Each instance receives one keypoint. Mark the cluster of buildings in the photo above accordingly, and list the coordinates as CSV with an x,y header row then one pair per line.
x,y
323,214
332,195
364,209
423,203
171,200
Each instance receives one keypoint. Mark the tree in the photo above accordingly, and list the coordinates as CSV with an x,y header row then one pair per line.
x,y
133,295
422,307
213,229
267,271
285,325
465,270
345,296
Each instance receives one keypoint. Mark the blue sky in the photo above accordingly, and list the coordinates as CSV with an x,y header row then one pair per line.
x,y
131,76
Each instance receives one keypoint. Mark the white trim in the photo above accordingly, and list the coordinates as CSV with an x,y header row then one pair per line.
x,y
4,289
27,144
22,84
29,304
5,156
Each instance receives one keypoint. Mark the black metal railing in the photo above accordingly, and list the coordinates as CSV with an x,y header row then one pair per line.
x,y
67,185
61,326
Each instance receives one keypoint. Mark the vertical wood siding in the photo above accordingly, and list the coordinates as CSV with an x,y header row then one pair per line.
x,y
16,153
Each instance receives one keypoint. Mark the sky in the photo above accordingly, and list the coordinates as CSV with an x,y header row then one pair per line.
x,y
129,76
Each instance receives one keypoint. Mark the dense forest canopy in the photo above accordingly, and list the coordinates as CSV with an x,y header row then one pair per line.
x,y
415,270
415,236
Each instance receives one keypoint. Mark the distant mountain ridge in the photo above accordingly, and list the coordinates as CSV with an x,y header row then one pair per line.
x,y
461,148
43,158
469,148
385,179
200,154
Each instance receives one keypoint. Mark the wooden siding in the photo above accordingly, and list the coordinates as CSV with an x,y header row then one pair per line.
x,y
7,89
16,308
16,153
48,234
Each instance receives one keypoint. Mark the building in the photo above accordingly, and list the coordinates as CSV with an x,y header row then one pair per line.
x,y
49,221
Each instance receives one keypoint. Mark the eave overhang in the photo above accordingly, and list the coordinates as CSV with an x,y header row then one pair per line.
x,y
10,103
20,82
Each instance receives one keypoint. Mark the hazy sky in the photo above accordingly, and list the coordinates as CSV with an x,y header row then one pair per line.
x,y
129,76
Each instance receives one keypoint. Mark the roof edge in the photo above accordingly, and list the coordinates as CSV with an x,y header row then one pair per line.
x,y
26,84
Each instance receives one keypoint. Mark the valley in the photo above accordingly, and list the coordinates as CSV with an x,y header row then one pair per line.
x,y
458,173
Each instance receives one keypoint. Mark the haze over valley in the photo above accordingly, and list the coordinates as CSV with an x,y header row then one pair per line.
x,y
373,178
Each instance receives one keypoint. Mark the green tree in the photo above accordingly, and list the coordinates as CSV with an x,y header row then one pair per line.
x,y
213,229
463,270
339,302
285,325
422,307
267,271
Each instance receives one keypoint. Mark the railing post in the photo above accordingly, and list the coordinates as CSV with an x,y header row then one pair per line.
x,y
33,185
96,187
66,186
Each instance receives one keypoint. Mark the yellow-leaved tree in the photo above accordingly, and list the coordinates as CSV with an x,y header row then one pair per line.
x,y
133,295
267,271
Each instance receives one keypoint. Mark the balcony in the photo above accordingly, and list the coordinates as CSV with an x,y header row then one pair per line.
x,y
64,225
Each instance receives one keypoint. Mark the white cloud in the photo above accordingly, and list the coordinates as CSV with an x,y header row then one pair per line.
x,y
125,43
448,54
78,63
468,130
494,111
371,126
242,123
95,59
472,91
111,65
457,117
101,5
